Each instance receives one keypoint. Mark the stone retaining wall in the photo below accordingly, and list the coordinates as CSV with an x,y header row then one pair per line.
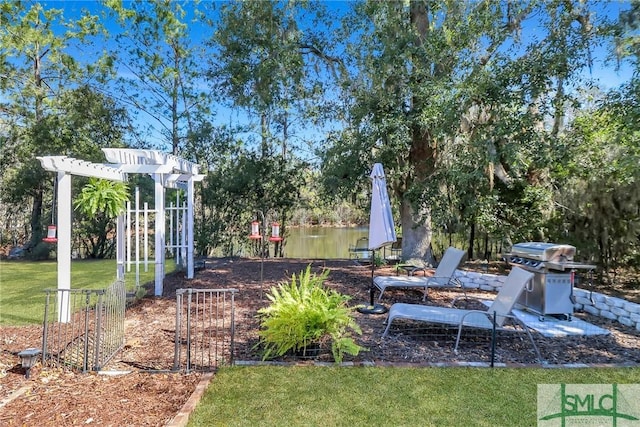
x,y
597,304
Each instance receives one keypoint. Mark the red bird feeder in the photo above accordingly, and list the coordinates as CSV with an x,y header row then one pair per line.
x,y
51,235
275,233
255,231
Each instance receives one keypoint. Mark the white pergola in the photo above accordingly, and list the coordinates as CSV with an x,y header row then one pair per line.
x,y
167,171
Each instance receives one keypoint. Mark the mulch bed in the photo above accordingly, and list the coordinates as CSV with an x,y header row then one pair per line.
x,y
53,396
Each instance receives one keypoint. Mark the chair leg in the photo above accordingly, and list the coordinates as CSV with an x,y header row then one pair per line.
x,y
455,348
526,329
533,343
535,347
386,330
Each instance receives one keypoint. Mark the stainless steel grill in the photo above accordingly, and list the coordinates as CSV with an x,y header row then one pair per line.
x,y
551,291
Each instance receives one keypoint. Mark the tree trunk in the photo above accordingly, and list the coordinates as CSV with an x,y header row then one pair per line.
x,y
416,220
487,252
264,135
416,235
36,216
36,208
472,238
175,138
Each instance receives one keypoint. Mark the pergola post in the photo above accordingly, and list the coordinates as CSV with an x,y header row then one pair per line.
x,y
189,222
120,247
159,234
64,246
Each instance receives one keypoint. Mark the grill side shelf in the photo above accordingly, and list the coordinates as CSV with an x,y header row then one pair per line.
x,y
564,266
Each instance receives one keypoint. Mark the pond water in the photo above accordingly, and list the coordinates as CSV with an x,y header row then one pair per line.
x,y
322,242
334,242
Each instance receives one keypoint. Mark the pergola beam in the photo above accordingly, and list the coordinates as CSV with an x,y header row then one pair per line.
x,y
134,156
82,168
150,169
181,181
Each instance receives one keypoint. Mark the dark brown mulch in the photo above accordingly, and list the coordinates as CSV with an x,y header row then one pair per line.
x,y
412,343
59,397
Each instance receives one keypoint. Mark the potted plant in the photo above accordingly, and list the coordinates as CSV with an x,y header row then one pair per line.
x,y
303,314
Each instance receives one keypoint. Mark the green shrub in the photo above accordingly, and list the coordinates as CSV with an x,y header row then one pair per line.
x,y
304,313
379,261
41,252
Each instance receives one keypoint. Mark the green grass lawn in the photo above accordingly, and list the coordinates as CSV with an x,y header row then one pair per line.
x,y
22,284
367,396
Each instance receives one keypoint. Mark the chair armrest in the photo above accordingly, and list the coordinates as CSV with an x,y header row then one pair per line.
x,y
485,312
489,314
469,312
410,269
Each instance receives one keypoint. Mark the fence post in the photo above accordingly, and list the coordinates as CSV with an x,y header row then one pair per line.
x,y
188,340
99,326
178,335
85,356
45,329
233,328
493,339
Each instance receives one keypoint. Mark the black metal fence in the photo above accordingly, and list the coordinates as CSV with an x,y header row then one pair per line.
x,y
205,329
83,328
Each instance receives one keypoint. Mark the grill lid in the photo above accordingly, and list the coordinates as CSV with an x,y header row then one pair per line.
x,y
551,252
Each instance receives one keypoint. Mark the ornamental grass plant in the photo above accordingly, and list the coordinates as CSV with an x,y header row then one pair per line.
x,y
304,314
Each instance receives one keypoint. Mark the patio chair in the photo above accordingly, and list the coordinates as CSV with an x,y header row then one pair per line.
x,y
361,249
499,311
442,277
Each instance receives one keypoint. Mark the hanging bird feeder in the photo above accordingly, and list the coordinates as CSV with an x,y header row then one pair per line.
x,y
275,233
255,231
52,229
51,234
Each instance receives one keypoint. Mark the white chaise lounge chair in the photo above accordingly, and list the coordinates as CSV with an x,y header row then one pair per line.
x,y
443,276
500,308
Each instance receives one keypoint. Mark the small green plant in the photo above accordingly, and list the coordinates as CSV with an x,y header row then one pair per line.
x,y
304,313
379,261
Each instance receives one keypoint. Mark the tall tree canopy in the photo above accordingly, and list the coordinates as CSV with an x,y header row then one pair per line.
x,y
470,106
160,68
460,106
41,78
267,67
269,63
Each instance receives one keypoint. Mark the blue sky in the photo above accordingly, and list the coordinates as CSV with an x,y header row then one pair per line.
x,y
604,73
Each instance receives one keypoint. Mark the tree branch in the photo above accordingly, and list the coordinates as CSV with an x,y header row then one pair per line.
x,y
306,49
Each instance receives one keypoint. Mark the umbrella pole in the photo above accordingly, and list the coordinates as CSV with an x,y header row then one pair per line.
x,y
371,286
372,308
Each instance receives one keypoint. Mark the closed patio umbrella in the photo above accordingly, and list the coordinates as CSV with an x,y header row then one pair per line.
x,y
381,228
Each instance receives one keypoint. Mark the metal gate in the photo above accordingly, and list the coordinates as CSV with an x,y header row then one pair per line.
x,y
205,328
94,331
